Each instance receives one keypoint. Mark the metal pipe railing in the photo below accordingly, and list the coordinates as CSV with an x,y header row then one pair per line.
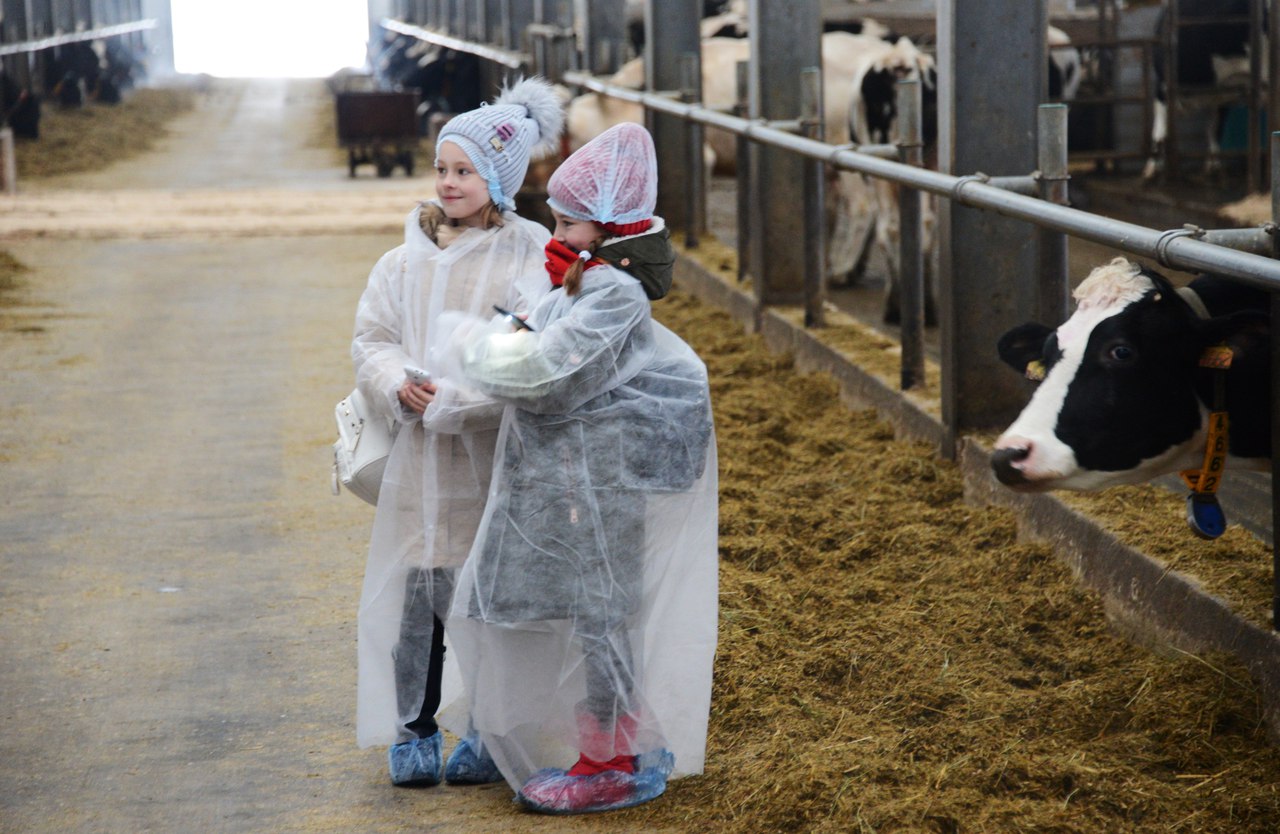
x,y
1177,249
77,37
504,57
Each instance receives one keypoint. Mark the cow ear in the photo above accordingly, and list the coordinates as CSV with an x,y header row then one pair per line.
x,y
1247,333
1022,346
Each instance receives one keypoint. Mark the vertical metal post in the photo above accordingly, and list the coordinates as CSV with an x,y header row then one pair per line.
x,y
748,262
1055,293
987,259
1275,394
158,42
561,55
784,39
1273,99
815,175
1256,173
519,16
695,211
8,163
493,22
911,275
603,27
671,31
1172,162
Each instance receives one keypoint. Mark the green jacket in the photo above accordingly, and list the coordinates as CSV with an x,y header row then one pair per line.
x,y
647,257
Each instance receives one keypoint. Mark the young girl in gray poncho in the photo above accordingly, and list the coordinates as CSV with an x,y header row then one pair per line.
x,y
585,616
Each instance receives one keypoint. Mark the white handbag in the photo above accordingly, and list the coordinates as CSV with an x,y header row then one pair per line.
x,y
360,452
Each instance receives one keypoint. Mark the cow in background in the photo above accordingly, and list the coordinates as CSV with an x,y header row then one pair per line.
x,y
847,199
71,70
447,81
1065,71
1209,55
879,65
19,108
1124,397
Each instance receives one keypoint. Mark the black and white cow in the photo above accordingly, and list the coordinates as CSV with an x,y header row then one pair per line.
x,y
873,114
19,108
1124,398
1210,54
447,81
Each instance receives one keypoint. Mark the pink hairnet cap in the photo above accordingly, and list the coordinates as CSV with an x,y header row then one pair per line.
x,y
612,180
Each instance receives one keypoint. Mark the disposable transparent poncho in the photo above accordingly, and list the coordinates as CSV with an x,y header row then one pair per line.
x,y
585,617
438,473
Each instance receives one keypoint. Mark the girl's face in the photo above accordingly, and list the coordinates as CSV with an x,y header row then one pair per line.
x,y
462,191
576,234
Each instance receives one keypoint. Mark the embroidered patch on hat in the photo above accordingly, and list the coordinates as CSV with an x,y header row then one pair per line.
x,y
497,144
505,131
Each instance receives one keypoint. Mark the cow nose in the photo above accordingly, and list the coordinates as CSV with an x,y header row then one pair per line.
x,y
1003,460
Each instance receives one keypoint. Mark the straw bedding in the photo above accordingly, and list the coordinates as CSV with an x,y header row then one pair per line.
x,y
892,659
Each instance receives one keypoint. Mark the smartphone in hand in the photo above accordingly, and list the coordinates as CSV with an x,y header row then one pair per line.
x,y
416,375
514,319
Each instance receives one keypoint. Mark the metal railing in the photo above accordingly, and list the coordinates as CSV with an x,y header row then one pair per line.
x,y
1178,249
76,37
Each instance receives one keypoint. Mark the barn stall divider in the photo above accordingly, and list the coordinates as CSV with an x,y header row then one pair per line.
x,y
43,47
991,183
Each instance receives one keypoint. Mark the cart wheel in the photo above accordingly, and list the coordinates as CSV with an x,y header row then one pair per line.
x,y
384,162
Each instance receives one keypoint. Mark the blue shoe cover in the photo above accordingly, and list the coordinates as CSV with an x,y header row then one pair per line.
x,y
471,764
417,763
553,791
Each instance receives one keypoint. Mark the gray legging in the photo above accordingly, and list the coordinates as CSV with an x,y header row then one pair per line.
x,y
419,655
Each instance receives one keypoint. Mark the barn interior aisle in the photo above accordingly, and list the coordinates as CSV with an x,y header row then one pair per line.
x,y
180,587
177,618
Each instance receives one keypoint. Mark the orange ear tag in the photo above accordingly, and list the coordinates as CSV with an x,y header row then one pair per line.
x,y
1217,357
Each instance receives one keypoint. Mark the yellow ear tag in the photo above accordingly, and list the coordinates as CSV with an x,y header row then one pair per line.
x,y
1218,357
1035,370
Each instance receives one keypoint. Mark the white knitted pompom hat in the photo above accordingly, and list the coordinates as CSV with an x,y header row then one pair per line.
x,y
523,122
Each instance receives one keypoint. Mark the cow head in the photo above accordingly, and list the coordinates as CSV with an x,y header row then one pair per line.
x,y
1122,397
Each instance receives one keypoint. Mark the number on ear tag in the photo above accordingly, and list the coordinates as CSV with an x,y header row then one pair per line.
x,y
1205,516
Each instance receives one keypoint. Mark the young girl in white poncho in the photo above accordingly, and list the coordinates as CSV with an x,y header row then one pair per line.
x,y
464,252
586,614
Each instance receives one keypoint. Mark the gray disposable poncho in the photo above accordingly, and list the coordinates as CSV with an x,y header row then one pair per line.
x,y
585,617
438,474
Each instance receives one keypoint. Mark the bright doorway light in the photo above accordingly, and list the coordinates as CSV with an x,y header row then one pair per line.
x,y
269,38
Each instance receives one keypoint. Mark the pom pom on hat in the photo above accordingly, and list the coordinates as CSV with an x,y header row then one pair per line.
x,y
612,180
524,122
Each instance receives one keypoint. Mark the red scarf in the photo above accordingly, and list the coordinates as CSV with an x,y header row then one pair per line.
x,y
560,258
